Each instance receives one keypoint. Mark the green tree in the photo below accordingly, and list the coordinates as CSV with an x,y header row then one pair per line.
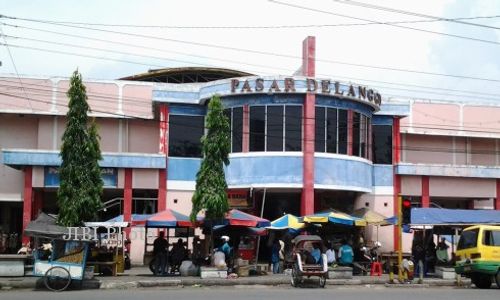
x,y
79,194
210,193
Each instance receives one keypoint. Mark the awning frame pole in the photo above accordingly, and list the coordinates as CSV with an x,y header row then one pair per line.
x,y
258,238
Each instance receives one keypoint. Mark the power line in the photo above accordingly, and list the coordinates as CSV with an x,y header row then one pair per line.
x,y
399,11
282,26
238,62
385,23
271,53
14,65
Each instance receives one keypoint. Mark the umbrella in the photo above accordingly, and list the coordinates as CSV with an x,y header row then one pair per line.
x,y
334,217
168,219
287,221
135,219
371,217
45,226
236,217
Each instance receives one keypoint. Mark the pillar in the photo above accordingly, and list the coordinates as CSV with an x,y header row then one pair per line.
x,y
163,147
127,196
426,199
350,115
396,147
497,199
309,110
246,129
27,200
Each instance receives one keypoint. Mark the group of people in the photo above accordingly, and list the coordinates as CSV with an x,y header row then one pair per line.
x,y
429,254
165,258
343,257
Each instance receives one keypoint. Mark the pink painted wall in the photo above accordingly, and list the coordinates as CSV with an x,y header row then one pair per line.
x,y
428,149
45,132
483,151
109,132
137,100
428,117
482,118
143,136
462,187
16,131
183,204
411,185
14,92
145,179
102,97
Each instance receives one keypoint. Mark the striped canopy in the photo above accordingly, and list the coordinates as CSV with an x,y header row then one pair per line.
x,y
288,221
334,217
238,218
136,219
371,217
168,219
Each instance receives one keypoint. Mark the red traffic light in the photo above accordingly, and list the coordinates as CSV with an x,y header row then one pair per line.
x,y
406,203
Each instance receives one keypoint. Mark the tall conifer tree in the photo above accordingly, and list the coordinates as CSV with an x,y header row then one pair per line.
x,y
79,194
210,193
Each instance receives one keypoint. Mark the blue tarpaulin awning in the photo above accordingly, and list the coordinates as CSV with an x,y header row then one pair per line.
x,y
443,216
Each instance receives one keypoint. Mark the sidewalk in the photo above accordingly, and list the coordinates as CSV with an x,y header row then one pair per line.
x,y
141,277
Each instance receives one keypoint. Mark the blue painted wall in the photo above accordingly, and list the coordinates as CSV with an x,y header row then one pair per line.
x,y
343,172
183,168
382,175
264,170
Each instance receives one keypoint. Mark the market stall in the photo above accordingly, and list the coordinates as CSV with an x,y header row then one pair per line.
x,y
182,228
109,252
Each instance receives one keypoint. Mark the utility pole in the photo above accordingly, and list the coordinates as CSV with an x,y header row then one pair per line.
x,y
400,238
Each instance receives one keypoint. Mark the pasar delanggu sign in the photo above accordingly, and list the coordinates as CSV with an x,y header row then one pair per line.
x,y
291,85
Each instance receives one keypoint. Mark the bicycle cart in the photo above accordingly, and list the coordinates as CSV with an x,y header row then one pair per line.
x,y
58,257
302,267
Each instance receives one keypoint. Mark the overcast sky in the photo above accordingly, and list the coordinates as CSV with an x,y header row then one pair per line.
x,y
373,45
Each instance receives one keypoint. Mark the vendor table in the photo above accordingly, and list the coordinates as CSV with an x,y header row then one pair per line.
x,y
12,265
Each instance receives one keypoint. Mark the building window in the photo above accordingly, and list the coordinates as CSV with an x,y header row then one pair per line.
x,y
275,127
235,116
331,130
293,128
319,138
184,135
342,128
382,144
365,125
257,128
356,133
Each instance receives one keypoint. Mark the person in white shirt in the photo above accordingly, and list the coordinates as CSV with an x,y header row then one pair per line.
x,y
330,254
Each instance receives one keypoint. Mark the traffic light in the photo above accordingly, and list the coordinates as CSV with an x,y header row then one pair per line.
x,y
406,211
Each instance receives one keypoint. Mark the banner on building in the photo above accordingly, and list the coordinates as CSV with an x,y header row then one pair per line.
x,y
238,199
51,177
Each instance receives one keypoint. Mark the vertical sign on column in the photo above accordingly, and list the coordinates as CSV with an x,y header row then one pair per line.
x,y
28,199
162,173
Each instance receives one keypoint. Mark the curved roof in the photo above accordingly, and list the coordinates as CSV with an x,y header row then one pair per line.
x,y
186,75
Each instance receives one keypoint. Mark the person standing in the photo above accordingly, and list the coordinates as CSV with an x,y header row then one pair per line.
x,y
346,254
160,248
275,256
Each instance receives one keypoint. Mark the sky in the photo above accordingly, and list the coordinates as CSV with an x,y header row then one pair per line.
x,y
235,34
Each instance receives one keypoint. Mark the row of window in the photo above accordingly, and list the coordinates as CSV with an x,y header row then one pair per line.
x,y
279,128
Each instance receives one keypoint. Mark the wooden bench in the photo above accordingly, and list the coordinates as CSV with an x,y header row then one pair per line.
x,y
105,264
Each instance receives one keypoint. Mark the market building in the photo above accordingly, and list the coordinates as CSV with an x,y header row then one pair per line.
x,y
300,145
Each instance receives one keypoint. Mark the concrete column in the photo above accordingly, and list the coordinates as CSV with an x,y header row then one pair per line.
x,y
309,111
350,115
396,147
127,196
27,199
497,199
426,199
162,173
246,129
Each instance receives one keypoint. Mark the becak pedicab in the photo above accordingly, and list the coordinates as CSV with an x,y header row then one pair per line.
x,y
305,265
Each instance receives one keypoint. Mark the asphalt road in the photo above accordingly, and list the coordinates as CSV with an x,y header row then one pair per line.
x,y
262,293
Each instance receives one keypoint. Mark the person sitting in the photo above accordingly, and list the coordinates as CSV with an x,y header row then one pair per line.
x,y
346,254
442,252
178,254
316,253
330,255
